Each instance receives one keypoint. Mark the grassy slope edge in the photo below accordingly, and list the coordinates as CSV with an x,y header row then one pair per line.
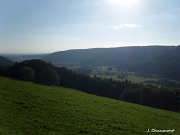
x,y
27,108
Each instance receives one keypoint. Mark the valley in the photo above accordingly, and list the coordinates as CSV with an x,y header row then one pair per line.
x,y
89,67
91,91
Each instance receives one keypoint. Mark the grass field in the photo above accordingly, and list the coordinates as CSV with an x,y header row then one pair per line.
x,y
133,79
31,109
104,68
108,77
139,79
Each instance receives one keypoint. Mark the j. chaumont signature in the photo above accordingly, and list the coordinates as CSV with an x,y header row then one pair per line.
x,y
160,130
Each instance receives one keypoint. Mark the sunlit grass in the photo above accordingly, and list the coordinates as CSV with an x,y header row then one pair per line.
x,y
31,109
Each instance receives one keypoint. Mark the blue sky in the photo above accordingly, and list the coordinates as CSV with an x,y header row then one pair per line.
x,y
41,26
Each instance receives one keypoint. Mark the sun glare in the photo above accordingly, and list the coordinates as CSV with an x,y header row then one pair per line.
x,y
124,2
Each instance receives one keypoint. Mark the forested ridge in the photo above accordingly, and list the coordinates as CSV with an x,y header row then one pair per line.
x,y
5,62
166,65
122,55
48,74
104,56
72,56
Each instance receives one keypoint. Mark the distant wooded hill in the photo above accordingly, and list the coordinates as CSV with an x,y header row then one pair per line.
x,y
22,57
105,56
165,64
162,61
72,56
5,62
158,60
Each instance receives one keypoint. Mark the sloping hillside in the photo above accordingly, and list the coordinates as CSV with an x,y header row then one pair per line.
x,y
166,64
122,55
71,56
28,108
5,62
105,56
22,57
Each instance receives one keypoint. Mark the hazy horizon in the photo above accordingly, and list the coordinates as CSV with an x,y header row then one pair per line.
x,y
44,26
43,53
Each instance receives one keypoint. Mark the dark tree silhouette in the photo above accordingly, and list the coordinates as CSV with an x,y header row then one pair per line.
x,y
50,77
26,73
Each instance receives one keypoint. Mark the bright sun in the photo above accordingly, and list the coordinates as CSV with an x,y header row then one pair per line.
x,y
124,2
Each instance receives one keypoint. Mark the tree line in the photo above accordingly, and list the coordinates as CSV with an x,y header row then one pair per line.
x,y
41,72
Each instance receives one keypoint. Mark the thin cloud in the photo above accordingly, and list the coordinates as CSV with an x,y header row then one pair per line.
x,y
132,25
125,26
119,26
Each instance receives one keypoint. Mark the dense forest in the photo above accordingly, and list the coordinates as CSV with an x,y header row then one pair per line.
x,y
165,65
41,72
104,56
72,57
123,55
160,61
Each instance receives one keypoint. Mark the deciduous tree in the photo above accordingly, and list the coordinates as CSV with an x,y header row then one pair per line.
x,y
50,77
26,73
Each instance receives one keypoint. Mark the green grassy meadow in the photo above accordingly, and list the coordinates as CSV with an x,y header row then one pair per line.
x,y
31,109
108,77
139,79
133,79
